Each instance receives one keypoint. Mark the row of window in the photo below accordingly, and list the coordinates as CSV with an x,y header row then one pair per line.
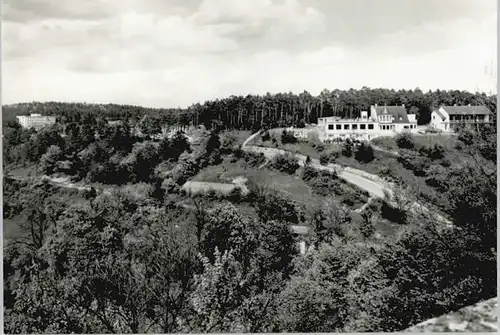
x,y
385,118
363,127
347,126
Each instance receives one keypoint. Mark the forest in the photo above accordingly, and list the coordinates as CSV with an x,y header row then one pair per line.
x,y
253,112
135,253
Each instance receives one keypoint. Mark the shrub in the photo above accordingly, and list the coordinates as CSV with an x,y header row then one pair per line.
x,y
320,147
393,214
274,141
417,164
254,159
459,145
466,136
324,158
405,141
325,183
285,163
347,148
309,173
288,137
364,153
435,152
445,162
235,195
349,199
265,136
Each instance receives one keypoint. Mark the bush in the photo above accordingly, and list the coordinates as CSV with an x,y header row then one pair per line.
x,y
364,153
265,136
323,183
274,141
347,148
324,158
288,137
405,141
393,214
235,195
466,136
285,163
328,157
417,164
254,159
309,173
320,147
435,152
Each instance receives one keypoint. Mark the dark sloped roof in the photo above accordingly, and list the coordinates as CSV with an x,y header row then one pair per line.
x,y
466,110
398,112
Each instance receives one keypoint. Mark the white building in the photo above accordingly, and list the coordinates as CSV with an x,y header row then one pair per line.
x,y
36,121
449,118
383,121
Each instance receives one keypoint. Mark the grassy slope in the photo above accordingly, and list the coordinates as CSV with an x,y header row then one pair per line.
x,y
291,185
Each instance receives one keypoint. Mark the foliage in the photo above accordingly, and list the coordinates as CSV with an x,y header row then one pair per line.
x,y
49,160
149,125
265,136
364,153
288,137
347,148
405,140
287,163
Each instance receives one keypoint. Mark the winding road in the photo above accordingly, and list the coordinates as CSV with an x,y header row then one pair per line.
x,y
373,184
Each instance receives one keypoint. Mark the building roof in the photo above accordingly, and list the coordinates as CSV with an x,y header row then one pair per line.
x,y
440,114
466,110
398,112
299,229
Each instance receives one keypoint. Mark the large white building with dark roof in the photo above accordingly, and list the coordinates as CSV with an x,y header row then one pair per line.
x,y
383,121
449,118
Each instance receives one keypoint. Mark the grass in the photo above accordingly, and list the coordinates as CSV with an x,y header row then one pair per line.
x,y
12,228
239,135
291,185
447,141
21,171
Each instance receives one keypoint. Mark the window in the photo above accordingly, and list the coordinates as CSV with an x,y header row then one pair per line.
x,y
362,126
406,127
354,127
338,127
330,127
370,126
346,127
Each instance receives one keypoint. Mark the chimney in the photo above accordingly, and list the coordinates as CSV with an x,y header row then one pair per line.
x,y
469,105
454,104
375,105
402,105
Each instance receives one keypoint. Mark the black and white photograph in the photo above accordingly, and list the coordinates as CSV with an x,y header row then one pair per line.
x,y
249,166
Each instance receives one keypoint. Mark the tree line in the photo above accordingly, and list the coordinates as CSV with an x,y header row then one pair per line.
x,y
252,112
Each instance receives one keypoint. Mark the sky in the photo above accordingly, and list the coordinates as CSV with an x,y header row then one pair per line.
x,y
172,53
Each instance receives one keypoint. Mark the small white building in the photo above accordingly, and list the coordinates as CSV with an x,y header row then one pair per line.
x,y
36,121
449,118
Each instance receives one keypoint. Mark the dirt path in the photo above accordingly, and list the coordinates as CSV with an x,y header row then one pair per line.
x,y
373,184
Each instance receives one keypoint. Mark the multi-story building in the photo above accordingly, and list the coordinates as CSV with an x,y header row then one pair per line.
x,y
450,118
383,121
36,121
